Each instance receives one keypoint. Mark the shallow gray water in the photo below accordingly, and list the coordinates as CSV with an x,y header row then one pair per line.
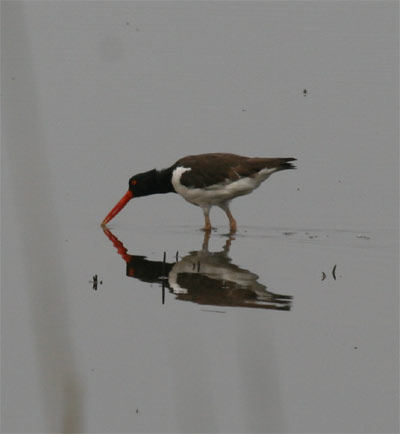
x,y
290,325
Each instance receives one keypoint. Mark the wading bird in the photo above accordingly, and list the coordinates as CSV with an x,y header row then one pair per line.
x,y
205,180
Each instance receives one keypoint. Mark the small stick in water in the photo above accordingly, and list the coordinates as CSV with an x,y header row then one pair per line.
x,y
334,272
163,279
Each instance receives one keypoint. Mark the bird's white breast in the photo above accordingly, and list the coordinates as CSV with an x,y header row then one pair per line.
x,y
217,193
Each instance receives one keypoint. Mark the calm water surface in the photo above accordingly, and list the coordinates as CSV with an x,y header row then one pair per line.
x,y
251,333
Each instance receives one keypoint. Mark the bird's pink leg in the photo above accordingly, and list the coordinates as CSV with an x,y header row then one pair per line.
x,y
207,221
232,221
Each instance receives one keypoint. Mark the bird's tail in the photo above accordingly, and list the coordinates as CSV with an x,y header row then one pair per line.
x,y
285,164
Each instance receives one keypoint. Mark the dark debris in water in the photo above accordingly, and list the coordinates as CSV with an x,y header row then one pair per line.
x,y
324,276
95,282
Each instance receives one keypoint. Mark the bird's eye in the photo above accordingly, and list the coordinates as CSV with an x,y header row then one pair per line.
x,y
133,182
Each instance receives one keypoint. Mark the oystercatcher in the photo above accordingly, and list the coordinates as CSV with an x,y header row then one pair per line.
x,y
205,180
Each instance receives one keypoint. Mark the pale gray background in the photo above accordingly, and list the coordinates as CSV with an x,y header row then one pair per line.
x,y
93,92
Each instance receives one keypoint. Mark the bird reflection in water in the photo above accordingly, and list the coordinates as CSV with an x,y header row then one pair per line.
x,y
203,277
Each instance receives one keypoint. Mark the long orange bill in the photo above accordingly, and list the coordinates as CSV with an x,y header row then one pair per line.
x,y
117,208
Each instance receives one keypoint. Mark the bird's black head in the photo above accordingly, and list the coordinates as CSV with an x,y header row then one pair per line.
x,y
144,184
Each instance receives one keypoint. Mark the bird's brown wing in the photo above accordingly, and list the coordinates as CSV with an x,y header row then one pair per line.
x,y
252,166
219,168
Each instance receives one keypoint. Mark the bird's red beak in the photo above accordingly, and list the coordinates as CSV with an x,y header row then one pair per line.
x,y
117,208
